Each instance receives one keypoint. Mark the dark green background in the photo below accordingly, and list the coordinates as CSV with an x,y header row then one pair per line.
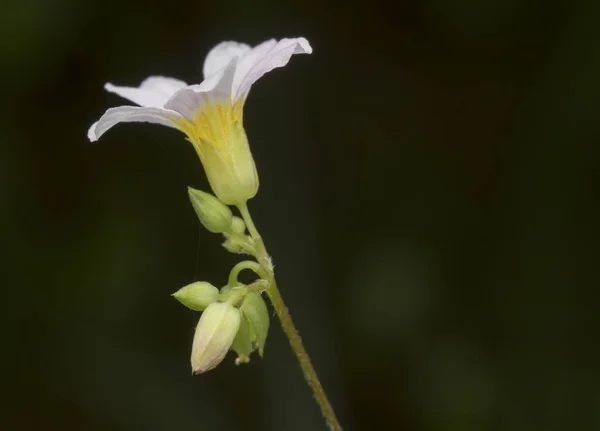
x,y
430,186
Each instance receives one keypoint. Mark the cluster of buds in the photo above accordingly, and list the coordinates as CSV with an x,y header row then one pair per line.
x,y
236,316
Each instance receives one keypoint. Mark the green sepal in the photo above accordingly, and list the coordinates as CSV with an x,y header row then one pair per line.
x,y
254,309
242,344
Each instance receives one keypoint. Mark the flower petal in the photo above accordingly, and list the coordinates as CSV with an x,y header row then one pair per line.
x,y
264,58
130,114
153,92
163,84
189,100
221,55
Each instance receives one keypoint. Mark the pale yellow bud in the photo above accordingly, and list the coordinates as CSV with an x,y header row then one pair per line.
x,y
238,225
216,330
198,295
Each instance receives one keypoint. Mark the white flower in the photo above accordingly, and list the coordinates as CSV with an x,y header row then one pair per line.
x,y
210,113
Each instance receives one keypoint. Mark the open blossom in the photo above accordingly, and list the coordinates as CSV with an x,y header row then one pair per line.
x,y
210,113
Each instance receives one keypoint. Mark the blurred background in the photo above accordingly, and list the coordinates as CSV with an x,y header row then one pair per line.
x,y
430,192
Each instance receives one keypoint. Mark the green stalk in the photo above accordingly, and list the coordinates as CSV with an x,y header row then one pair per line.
x,y
287,324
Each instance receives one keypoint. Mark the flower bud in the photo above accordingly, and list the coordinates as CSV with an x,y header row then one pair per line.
x,y
216,330
238,225
198,295
214,215
236,243
233,245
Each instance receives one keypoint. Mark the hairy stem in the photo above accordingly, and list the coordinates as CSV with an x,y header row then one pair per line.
x,y
288,325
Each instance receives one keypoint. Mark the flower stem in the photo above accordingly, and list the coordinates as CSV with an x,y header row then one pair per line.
x,y
288,325
246,264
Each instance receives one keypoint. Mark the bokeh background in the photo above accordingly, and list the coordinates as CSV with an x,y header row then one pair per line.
x,y
430,192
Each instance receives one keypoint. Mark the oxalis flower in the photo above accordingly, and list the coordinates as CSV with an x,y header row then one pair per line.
x,y
210,113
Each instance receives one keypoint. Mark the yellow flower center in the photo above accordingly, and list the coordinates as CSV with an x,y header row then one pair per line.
x,y
212,125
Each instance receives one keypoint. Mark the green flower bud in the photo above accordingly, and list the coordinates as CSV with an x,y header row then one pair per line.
x,y
233,245
214,215
255,311
198,295
238,225
216,330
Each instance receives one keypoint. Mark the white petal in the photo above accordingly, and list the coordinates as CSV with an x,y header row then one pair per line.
x,y
189,100
130,114
153,92
220,82
163,85
221,55
264,58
